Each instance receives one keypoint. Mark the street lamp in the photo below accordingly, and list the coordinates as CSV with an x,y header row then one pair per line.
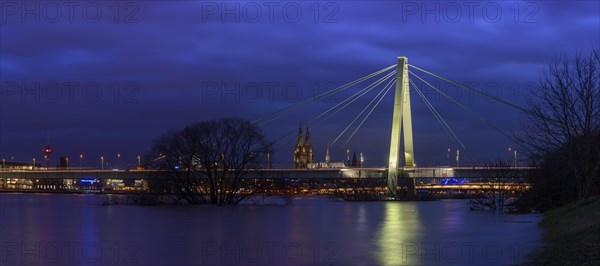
x,y
3,163
448,156
102,162
457,158
33,167
362,160
80,160
514,155
139,161
118,159
348,156
67,161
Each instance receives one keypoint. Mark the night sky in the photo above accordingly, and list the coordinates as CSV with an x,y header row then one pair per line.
x,y
103,77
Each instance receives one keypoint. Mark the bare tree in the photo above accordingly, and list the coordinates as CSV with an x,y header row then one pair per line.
x,y
499,183
208,162
564,120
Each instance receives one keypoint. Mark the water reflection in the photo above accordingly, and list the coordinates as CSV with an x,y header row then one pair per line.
x,y
398,235
452,216
310,231
362,220
91,250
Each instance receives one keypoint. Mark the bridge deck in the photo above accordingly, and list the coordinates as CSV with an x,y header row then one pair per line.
x,y
437,172
419,173
321,180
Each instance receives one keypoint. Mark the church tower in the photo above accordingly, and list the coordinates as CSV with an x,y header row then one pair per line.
x,y
303,152
308,148
299,150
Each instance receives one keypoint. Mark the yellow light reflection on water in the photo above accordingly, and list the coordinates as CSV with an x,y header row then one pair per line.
x,y
398,236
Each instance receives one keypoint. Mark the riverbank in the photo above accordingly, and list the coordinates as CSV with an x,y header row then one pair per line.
x,y
571,235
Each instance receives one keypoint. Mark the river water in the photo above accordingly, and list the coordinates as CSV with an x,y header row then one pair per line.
x,y
56,229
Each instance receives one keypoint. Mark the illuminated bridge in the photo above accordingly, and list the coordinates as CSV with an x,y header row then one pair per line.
x,y
401,164
90,180
401,132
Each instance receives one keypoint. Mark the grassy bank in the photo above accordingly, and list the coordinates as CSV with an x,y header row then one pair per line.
x,y
571,235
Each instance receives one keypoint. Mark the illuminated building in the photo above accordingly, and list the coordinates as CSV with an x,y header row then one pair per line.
x,y
303,152
327,163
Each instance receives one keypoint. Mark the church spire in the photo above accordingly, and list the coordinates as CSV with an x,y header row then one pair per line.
x,y
308,147
300,143
327,157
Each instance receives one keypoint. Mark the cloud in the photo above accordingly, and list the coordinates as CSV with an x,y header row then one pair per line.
x,y
188,63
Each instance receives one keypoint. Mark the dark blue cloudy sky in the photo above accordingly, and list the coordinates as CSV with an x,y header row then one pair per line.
x,y
108,77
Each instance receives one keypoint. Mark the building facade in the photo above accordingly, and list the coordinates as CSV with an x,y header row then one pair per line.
x,y
327,163
303,152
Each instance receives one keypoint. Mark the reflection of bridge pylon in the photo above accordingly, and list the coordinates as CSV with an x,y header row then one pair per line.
x,y
401,120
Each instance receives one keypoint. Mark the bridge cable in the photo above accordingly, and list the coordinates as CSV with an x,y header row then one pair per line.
x,y
371,111
473,90
277,114
434,113
362,111
441,120
356,96
363,91
351,99
437,115
322,95
462,106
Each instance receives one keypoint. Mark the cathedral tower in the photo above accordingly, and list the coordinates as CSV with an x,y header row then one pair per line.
x,y
303,151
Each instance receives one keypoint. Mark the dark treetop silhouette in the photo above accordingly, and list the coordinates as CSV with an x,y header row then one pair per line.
x,y
207,162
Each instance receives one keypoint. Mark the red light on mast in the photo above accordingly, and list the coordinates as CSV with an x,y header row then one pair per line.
x,y
47,150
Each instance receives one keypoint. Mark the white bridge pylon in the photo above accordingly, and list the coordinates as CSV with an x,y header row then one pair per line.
x,y
401,120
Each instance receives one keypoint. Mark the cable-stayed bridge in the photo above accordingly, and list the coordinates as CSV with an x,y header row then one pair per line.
x,y
398,76
401,161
